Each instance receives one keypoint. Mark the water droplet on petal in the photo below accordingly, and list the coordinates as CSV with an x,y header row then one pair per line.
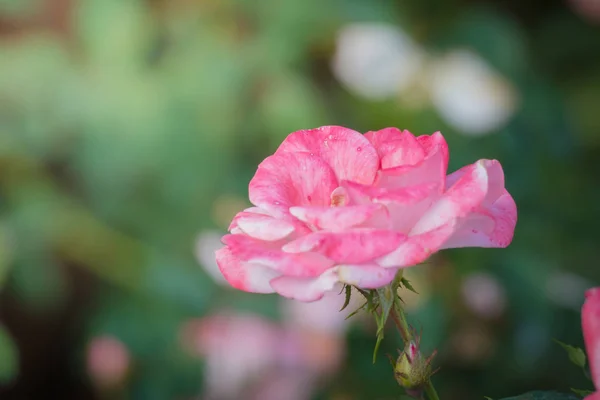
x,y
309,198
358,148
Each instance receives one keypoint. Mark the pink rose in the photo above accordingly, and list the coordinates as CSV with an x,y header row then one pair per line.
x,y
590,321
333,206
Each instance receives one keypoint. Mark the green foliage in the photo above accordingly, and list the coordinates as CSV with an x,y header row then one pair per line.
x,y
9,357
538,395
129,127
576,355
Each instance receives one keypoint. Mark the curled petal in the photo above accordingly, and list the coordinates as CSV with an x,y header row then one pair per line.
x,y
495,179
396,148
245,276
291,179
432,168
458,201
261,226
488,226
418,248
590,321
269,254
364,276
348,152
338,218
354,246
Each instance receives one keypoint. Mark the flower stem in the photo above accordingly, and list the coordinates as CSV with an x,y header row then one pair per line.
x,y
402,325
430,390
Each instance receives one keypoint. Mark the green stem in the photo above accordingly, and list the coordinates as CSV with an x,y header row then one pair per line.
x,y
402,325
430,390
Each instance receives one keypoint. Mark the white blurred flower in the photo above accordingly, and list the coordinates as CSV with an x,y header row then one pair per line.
x,y
484,295
207,243
567,289
470,95
376,60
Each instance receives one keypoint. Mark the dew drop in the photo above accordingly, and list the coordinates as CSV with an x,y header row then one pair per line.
x,y
309,198
330,136
359,149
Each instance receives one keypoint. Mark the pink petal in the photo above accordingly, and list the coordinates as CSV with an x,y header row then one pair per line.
x,y
491,226
458,201
261,226
354,246
416,249
405,205
338,218
348,152
433,143
593,396
495,179
493,223
363,276
269,254
395,147
432,168
245,276
590,321
291,179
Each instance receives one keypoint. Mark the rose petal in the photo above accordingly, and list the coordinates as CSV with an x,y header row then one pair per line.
x,y
458,201
405,205
245,276
348,152
495,179
395,147
363,276
291,179
590,321
354,246
492,226
418,248
431,169
261,226
269,254
338,219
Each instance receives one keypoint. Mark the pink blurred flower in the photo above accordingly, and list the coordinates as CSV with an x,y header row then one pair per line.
x,y
333,206
245,353
108,361
484,295
590,321
236,348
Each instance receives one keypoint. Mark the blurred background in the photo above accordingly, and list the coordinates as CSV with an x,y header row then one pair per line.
x,y
129,130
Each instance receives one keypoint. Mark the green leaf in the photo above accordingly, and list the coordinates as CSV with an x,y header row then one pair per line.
x,y
537,395
581,393
576,355
353,313
386,298
406,283
348,290
488,398
9,357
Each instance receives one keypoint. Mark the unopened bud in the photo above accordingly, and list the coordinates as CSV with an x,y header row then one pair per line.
x,y
412,370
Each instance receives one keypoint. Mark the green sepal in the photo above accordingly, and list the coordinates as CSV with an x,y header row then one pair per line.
x,y
576,355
